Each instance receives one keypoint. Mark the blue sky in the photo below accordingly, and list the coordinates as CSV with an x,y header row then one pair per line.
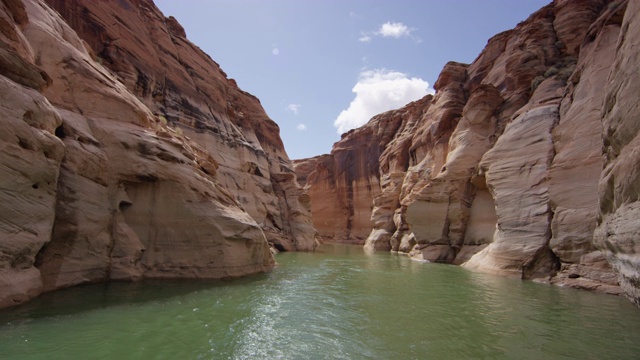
x,y
320,67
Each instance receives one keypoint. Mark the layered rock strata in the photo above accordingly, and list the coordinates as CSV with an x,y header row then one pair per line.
x,y
618,229
499,170
185,88
127,153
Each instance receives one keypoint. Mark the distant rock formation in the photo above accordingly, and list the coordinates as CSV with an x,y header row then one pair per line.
x,y
127,153
499,170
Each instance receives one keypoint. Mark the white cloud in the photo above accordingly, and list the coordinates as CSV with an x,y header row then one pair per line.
x,y
378,91
275,51
395,30
294,108
391,30
301,127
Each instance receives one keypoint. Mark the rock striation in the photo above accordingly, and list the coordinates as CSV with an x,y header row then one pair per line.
x,y
502,169
127,153
618,227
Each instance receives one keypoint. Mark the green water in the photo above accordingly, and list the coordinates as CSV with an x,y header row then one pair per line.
x,y
335,304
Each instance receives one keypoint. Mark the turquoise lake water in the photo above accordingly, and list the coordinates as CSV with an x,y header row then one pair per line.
x,y
337,303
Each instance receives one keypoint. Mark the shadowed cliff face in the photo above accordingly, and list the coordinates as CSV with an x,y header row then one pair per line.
x,y
499,170
127,153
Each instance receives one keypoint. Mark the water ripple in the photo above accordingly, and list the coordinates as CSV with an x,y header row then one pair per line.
x,y
338,304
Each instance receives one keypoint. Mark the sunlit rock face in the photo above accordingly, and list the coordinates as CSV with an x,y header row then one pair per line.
x,y
127,153
501,169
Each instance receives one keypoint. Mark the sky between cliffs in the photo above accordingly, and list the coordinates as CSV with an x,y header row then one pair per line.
x,y
321,68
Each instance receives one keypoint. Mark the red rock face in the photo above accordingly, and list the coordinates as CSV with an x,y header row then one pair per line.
x,y
129,154
499,170
343,183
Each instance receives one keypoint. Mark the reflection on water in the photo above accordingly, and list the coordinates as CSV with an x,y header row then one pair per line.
x,y
338,303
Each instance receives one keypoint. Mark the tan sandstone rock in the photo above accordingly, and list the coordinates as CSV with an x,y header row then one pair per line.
x,y
30,165
499,170
516,171
618,226
101,181
181,85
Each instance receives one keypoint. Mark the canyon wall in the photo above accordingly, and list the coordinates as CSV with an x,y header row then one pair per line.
x,y
127,153
618,230
342,184
500,169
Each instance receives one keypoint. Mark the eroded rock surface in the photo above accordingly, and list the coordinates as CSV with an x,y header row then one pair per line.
x,y
180,84
129,154
499,170
618,229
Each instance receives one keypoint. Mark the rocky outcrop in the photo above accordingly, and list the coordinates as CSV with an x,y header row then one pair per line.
x,y
127,153
499,170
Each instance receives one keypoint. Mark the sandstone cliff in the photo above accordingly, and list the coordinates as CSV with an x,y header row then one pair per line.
x,y
618,230
127,153
499,170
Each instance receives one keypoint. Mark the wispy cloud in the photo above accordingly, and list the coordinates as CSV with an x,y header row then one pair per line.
x,y
355,15
301,127
377,91
364,38
294,108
